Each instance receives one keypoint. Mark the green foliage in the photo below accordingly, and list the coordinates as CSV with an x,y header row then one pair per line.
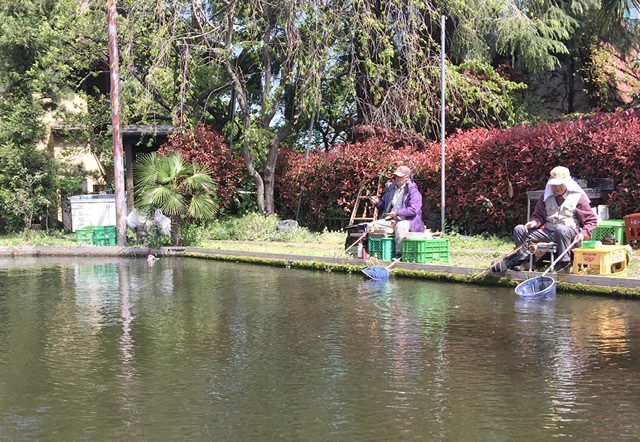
x,y
257,227
27,185
34,69
19,123
70,179
611,15
181,190
536,37
82,125
597,77
480,96
184,190
252,226
29,237
193,234
243,200
156,239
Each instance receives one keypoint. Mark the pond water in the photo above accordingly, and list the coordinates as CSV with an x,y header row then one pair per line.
x,y
114,349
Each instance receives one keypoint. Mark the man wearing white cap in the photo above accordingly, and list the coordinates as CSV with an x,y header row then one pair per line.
x,y
562,215
400,207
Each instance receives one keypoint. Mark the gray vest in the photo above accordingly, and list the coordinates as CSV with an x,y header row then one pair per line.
x,y
563,214
392,189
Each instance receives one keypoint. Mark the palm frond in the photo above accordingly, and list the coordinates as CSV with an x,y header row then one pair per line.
x,y
176,187
145,170
201,182
202,206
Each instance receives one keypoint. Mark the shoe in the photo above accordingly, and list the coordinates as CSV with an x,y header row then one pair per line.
x,y
524,267
397,256
564,267
514,265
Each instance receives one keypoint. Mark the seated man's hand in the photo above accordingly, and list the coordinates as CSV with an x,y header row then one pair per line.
x,y
391,215
374,199
579,237
531,225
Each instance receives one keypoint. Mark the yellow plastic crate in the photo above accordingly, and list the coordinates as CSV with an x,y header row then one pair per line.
x,y
603,260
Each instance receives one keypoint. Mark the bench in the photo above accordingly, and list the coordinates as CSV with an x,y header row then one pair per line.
x,y
597,189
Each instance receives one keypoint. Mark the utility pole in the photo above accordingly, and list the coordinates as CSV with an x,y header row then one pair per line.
x,y
442,121
118,157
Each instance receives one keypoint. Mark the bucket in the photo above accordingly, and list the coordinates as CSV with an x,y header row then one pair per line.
x,y
542,287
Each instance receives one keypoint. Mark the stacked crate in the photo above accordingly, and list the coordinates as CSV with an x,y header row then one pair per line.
x,y
84,235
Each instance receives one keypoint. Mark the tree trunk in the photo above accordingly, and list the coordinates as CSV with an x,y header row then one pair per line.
x,y
261,196
571,82
176,231
257,178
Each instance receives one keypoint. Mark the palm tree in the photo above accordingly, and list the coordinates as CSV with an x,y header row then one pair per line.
x,y
612,12
181,190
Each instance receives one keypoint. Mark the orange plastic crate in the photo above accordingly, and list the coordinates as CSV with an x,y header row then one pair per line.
x,y
632,227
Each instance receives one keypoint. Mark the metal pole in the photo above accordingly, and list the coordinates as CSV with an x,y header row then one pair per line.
x,y
118,160
442,98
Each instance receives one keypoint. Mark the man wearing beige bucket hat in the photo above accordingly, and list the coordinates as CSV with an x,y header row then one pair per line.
x,y
562,214
400,207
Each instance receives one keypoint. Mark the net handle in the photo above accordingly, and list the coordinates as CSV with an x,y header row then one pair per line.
x,y
555,261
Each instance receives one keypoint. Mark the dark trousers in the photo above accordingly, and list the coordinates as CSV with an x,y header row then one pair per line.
x,y
563,236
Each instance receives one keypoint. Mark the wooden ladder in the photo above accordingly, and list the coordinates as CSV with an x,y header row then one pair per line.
x,y
362,210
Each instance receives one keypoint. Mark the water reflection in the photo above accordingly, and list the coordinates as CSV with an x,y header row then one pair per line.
x,y
379,293
413,330
536,307
113,349
613,331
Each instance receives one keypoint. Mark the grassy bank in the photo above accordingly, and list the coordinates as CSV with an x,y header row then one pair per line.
x,y
475,252
259,234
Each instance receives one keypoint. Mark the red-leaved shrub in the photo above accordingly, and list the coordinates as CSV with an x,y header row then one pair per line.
x,y
208,149
479,164
327,183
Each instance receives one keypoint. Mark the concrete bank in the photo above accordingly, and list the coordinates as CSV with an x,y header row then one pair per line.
x,y
596,285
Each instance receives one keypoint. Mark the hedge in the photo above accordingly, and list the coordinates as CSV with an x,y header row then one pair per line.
x,y
479,164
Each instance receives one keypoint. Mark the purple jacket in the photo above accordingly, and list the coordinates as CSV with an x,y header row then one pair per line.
x,y
411,205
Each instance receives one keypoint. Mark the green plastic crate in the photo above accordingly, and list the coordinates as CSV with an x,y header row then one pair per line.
x,y
425,250
382,248
96,235
609,228
84,235
104,236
